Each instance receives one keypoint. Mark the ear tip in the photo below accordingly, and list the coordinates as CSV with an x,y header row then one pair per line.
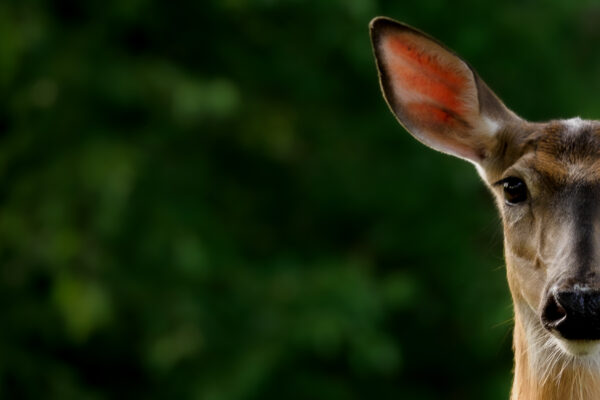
x,y
380,26
375,22
380,23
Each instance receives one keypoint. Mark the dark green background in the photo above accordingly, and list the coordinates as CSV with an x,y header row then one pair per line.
x,y
210,199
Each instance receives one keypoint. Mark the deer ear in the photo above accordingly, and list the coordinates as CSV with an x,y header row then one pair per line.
x,y
434,94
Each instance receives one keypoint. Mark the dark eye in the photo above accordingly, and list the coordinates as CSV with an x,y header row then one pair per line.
x,y
515,190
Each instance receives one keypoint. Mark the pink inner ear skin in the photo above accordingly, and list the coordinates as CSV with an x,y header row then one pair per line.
x,y
425,75
430,87
433,116
438,122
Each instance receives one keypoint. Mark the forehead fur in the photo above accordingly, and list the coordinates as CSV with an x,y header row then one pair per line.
x,y
561,152
568,151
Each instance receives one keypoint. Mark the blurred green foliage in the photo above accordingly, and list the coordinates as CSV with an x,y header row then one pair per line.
x,y
210,199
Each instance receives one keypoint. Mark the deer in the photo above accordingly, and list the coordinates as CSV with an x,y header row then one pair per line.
x,y
545,179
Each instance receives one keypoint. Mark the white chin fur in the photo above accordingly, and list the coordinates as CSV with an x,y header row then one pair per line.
x,y
579,348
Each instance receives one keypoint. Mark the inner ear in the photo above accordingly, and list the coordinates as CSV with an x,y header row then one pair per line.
x,y
434,94
430,85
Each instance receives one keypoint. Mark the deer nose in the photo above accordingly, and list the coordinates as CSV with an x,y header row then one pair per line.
x,y
574,313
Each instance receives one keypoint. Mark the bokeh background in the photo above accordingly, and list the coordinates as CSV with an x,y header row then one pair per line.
x,y
210,199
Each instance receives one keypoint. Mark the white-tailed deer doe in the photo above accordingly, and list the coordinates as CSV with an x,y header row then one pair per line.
x,y
546,181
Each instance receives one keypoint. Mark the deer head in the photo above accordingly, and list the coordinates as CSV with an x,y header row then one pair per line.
x,y
545,178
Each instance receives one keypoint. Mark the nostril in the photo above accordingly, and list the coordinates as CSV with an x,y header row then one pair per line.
x,y
553,313
573,313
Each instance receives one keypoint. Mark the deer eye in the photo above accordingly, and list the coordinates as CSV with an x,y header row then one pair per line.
x,y
515,190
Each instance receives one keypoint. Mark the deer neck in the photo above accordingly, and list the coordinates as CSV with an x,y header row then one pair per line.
x,y
543,371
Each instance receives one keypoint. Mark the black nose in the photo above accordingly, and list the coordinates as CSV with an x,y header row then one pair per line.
x,y
575,314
